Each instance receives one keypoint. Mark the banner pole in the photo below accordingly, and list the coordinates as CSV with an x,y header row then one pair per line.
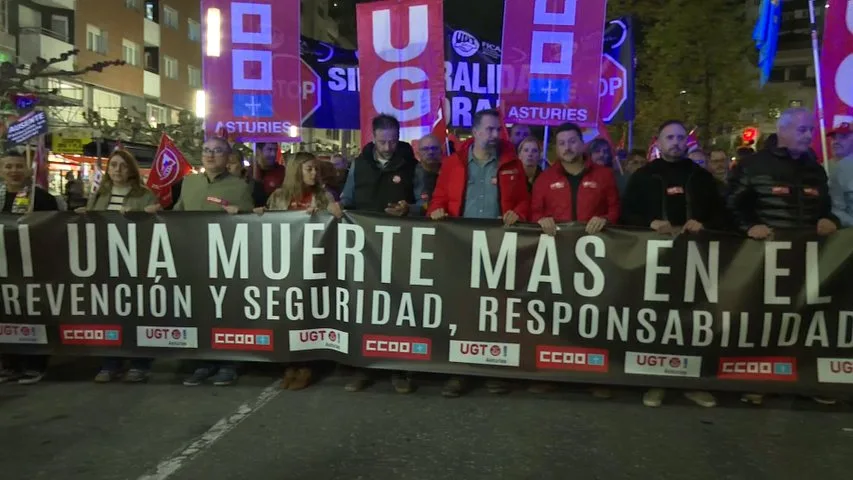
x,y
545,148
819,87
34,180
630,135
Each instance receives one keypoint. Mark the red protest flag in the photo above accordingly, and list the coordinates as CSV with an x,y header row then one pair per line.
x,y
169,166
504,131
439,131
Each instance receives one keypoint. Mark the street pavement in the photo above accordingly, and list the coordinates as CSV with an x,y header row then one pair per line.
x,y
67,428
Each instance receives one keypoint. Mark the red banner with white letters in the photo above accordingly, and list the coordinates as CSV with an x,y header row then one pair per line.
x,y
252,69
401,59
836,65
552,52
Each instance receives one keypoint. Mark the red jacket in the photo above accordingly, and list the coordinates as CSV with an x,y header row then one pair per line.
x,y
449,192
597,196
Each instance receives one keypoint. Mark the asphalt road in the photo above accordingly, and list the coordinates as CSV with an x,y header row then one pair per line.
x,y
71,429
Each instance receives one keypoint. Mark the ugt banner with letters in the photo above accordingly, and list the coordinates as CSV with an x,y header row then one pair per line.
x,y
551,61
401,58
251,69
472,70
711,311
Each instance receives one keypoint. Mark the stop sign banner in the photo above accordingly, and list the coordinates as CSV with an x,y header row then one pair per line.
x,y
554,76
252,69
401,55
617,72
836,64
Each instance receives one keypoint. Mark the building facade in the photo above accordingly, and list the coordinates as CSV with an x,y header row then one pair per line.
x,y
159,39
793,74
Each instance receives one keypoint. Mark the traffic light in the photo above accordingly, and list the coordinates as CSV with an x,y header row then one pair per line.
x,y
749,135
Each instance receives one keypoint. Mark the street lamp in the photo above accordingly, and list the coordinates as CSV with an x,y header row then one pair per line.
x,y
200,104
213,32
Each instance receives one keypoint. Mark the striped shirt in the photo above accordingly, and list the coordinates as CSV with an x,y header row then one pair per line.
x,y
117,197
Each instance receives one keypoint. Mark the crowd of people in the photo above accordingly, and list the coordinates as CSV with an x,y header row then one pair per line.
x,y
492,175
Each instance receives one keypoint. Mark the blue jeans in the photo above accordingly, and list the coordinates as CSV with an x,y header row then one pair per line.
x,y
114,364
216,365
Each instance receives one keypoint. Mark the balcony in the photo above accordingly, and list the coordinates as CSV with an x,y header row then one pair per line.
x,y
152,33
7,43
41,42
66,4
151,87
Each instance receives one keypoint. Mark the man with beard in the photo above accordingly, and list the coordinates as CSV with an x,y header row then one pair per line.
x,y
267,172
574,189
673,195
483,179
215,190
841,182
382,179
518,133
426,173
718,165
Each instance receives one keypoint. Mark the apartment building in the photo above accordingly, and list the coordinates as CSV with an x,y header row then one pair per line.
x,y
159,39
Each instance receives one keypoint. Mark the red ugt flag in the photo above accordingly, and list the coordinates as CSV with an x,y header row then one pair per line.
x,y
169,166
836,64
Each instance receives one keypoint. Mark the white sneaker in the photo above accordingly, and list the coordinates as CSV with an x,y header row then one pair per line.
x,y
703,399
654,397
752,398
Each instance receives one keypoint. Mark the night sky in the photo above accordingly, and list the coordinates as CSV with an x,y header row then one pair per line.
x,y
482,18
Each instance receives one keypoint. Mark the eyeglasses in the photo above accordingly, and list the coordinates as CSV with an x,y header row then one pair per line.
x,y
213,151
430,149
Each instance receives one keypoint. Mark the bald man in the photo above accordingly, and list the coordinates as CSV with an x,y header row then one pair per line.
x,y
426,173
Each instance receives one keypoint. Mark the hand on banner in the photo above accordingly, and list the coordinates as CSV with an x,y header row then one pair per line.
x,y
335,210
259,210
759,232
692,226
153,208
662,226
510,218
548,226
399,209
595,225
438,214
826,227
80,210
232,209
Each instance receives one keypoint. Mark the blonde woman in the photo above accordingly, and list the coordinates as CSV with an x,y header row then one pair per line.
x,y
530,154
122,190
302,190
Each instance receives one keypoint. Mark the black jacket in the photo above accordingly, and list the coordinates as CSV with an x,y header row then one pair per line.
x,y
44,201
772,188
674,192
375,187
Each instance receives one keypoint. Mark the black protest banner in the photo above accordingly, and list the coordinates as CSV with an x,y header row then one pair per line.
x,y
711,311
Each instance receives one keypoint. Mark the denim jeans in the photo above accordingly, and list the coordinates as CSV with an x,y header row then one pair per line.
x,y
114,364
